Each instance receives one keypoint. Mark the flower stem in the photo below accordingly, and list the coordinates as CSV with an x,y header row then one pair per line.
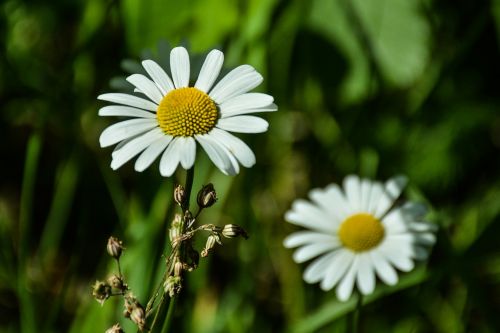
x,y
185,208
357,314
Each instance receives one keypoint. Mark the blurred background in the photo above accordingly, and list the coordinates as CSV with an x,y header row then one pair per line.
x,y
375,88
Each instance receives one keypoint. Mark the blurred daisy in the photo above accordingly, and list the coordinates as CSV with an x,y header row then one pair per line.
x,y
358,234
175,115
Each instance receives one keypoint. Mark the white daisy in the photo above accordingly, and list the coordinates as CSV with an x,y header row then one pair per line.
x,y
175,115
358,234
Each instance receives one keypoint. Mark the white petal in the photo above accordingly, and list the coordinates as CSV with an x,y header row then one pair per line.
x,y
210,70
414,211
188,151
151,153
376,193
170,158
217,155
398,258
134,147
159,76
236,112
310,251
395,186
384,270
146,86
338,268
124,130
125,111
239,81
325,202
383,205
129,100
179,65
352,188
394,222
344,289
318,268
243,124
365,275
338,201
425,238
422,227
305,237
246,101
305,214
366,188
235,146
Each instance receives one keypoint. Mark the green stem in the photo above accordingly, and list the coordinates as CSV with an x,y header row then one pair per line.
x,y
185,207
357,314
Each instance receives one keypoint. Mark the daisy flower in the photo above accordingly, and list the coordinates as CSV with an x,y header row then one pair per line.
x,y
357,234
174,116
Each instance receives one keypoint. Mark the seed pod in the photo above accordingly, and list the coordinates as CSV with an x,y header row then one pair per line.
x,y
206,196
114,247
234,230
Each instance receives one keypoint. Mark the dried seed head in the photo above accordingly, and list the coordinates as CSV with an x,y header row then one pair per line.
x,y
180,195
173,285
114,247
206,196
116,282
101,291
115,329
234,230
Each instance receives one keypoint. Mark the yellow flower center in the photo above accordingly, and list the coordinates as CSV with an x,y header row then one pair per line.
x,y
186,112
361,232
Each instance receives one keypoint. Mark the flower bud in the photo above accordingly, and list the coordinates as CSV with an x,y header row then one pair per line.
x,y
175,228
206,196
114,247
234,230
101,291
115,329
211,241
180,195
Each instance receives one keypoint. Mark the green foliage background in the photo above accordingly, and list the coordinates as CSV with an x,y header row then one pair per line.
x,y
375,88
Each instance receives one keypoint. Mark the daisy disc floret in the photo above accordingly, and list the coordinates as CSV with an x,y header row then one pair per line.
x,y
172,116
357,234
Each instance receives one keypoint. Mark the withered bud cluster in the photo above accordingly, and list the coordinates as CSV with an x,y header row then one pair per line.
x,y
173,285
135,311
114,247
101,291
116,282
206,196
115,329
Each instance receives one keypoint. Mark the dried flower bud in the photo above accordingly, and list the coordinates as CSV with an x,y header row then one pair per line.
x,y
116,282
115,329
206,196
175,228
101,291
234,230
178,268
135,311
211,241
173,285
114,247
138,316
180,195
